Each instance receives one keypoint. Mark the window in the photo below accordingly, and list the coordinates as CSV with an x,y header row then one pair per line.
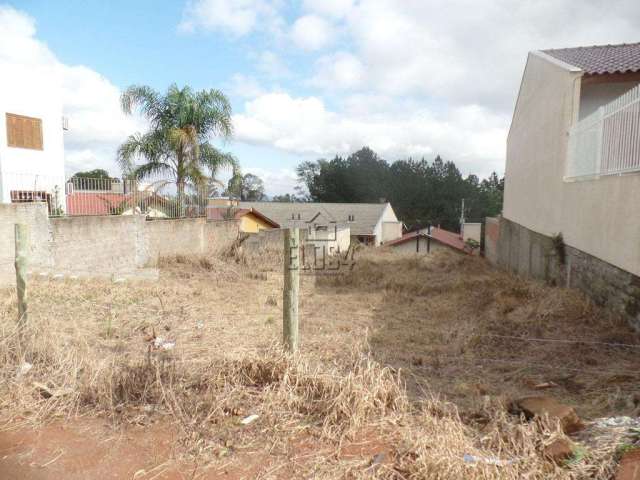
x,y
24,132
351,218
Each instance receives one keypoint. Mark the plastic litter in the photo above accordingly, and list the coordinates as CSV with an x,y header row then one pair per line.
x,y
249,419
473,459
23,369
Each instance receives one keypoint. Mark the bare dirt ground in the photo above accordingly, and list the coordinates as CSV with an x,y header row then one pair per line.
x,y
406,364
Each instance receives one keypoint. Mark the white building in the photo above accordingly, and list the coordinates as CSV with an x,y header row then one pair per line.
x,y
31,138
572,176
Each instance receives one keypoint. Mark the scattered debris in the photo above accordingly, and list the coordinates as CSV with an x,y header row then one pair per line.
x,y
559,450
629,465
49,392
541,406
473,460
162,344
545,385
23,369
249,419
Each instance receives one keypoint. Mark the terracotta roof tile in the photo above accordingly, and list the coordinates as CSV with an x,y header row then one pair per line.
x,y
601,59
445,237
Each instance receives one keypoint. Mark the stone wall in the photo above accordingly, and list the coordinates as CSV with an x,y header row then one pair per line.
x,y
104,245
533,255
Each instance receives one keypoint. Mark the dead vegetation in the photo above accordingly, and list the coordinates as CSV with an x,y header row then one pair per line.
x,y
415,353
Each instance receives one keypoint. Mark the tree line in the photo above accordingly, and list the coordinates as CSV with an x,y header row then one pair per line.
x,y
420,191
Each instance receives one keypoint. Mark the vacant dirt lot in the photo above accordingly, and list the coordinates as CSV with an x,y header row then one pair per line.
x,y
406,365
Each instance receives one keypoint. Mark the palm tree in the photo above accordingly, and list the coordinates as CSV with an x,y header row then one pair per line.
x,y
177,144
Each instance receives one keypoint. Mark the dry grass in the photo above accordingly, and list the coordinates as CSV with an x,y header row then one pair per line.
x,y
392,322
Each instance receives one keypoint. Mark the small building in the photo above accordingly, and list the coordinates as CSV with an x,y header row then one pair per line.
x,y
425,241
251,220
368,223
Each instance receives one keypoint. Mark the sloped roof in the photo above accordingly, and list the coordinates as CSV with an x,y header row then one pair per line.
x,y
406,238
221,213
448,238
601,59
365,215
445,237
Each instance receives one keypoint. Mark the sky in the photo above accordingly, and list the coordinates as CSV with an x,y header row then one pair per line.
x,y
307,79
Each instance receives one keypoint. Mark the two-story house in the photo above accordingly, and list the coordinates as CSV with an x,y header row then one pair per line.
x,y
31,139
572,180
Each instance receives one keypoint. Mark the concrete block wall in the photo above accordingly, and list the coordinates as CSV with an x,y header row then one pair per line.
x,y
168,238
220,236
491,235
35,215
100,244
189,236
533,255
105,245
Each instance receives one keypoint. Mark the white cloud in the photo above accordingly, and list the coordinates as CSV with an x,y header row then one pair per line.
x,y
311,32
276,182
272,65
474,52
235,17
340,70
331,8
471,136
244,86
89,100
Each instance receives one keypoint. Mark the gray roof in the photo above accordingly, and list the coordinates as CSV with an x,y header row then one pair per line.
x,y
601,59
365,215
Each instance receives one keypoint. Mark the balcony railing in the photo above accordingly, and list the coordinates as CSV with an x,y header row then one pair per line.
x,y
607,142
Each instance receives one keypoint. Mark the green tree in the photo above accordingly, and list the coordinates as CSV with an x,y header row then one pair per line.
x,y
181,124
97,179
420,191
286,198
248,187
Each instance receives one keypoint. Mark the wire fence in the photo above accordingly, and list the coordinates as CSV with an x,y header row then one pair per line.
x,y
87,196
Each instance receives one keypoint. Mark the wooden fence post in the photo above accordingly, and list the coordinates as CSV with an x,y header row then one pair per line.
x,y
291,286
22,249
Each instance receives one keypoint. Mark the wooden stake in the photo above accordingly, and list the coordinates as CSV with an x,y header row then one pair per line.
x,y
22,252
291,287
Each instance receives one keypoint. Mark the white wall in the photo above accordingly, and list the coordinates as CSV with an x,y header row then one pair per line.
x,y
471,230
388,215
25,92
334,239
595,95
597,216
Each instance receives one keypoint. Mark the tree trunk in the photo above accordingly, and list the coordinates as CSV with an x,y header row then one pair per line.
x,y
180,185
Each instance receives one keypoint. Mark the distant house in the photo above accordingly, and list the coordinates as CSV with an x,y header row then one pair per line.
x,y
31,139
424,241
368,223
573,168
251,220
